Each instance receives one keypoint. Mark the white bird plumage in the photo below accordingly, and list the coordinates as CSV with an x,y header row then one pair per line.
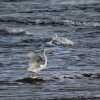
x,y
36,63
60,41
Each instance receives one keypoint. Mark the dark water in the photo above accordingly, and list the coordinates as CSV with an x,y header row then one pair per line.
x,y
26,24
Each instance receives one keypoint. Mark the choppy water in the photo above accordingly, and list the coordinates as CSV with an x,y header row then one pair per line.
x,y
26,24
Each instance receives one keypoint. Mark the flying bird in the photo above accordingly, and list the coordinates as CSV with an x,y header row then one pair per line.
x,y
37,63
57,40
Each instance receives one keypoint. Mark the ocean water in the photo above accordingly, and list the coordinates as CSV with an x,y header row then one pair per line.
x,y
72,73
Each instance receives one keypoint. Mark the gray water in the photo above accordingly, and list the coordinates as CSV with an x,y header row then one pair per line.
x,y
73,72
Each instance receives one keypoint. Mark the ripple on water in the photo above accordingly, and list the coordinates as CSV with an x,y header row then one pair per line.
x,y
72,72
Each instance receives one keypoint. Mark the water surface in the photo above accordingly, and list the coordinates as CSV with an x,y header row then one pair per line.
x,y
25,25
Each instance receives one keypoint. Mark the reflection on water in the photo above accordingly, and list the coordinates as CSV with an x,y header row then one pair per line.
x,y
73,72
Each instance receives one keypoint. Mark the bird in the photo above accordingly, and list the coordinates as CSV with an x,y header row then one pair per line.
x,y
57,40
37,63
